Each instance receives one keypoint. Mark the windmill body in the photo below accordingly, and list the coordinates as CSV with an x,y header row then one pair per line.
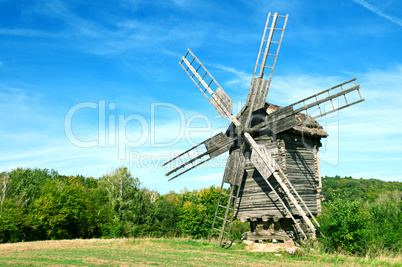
x,y
296,150
273,167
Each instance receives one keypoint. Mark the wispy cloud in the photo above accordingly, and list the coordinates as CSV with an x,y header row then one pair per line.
x,y
379,12
59,10
17,101
112,36
287,89
241,78
28,33
115,36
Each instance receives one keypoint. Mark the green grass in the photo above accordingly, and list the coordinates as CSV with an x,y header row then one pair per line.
x,y
166,252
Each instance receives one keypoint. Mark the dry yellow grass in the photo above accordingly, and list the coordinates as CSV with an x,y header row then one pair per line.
x,y
164,252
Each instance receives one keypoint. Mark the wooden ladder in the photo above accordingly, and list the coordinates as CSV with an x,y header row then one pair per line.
x,y
227,219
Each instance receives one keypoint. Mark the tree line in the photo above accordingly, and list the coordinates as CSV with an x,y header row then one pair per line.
x,y
41,204
358,215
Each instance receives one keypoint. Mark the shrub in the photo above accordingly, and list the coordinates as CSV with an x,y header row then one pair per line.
x,y
387,218
238,228
347,226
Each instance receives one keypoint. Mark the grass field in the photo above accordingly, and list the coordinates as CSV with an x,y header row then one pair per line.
x,y
166,252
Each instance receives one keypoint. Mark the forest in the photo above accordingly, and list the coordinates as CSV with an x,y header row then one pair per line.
x,y
359,216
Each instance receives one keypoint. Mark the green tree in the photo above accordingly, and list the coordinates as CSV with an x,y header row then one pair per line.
x,y
19,189
196,218
145,217
167,215
26,184
63,211
193,220
4,188
122,190
98,196
14,223
123,198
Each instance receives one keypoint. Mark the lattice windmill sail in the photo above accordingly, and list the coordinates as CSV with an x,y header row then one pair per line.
x,y
273,166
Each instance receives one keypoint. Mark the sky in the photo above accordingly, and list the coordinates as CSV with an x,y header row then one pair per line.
x,y
89,86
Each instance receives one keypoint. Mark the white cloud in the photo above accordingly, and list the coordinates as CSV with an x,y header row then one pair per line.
x,y
28,33
379,12
287,89
59,10
17,96
242,79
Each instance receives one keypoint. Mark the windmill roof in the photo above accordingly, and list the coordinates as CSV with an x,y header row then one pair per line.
x,y
307,125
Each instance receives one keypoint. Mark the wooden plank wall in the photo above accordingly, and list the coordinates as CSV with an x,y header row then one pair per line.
x,y
297,157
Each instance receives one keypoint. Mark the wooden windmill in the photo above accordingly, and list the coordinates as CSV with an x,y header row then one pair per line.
x,y
273,166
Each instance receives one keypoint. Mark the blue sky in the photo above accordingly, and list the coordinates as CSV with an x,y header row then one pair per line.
x,y
88,86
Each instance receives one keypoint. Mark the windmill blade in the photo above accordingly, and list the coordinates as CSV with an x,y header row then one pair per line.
x,y
213,91
325,102
266,59
234,169
198,155
322,99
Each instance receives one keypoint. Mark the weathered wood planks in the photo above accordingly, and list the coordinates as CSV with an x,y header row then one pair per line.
x,y
296,153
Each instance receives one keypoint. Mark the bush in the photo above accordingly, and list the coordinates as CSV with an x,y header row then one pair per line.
x,y
192,220
387,215
238,228
347,226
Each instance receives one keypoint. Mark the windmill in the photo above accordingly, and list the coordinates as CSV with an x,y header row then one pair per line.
x,y
273,169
